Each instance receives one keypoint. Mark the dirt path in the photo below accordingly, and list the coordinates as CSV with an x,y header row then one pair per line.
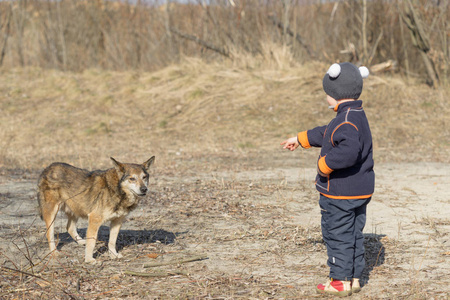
x,y
259,228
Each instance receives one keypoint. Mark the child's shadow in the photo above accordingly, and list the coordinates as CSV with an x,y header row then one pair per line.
x,y
125,238
374,254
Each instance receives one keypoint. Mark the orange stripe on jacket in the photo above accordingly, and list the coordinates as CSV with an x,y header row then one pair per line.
x,y
347,197
323,167
302,138
332,134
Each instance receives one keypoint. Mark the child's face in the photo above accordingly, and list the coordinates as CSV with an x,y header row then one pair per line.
x,y
331,101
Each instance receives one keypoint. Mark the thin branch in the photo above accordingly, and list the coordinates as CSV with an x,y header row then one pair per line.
x,y
176,262
374,48
24,273
297,37
201,42
156,274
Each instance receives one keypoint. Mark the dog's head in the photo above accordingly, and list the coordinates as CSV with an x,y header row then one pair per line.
x,y
133,177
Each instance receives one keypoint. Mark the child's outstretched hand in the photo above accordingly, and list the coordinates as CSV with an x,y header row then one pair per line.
x,y
291,143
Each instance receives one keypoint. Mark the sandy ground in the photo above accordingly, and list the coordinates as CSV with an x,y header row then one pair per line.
x,y
259,228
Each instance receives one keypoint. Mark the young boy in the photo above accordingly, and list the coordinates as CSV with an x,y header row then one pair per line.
x,y
345,178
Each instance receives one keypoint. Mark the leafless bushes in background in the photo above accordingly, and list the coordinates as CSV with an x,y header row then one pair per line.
x,y
75,34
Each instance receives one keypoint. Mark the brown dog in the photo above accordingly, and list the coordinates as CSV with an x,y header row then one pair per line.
x,y
99,196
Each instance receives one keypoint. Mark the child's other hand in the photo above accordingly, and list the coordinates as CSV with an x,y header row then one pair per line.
x,y
291,143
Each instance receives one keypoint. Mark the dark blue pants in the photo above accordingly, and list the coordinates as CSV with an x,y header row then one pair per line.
x,y
342,225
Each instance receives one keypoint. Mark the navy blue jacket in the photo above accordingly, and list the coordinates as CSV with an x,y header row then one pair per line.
x,y
345,164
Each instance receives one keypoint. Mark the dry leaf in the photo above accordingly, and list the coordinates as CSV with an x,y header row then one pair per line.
x,y
152,255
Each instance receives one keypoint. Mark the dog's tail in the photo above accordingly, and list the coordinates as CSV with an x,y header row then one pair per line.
x,y
40,196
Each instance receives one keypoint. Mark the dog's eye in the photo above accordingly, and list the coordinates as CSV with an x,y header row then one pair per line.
x,y
132,179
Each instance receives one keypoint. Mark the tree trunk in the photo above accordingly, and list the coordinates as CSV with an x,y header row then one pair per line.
x,y
5,41
419,38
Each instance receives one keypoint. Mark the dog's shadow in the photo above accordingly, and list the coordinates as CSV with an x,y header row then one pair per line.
x,y
125,238
374,254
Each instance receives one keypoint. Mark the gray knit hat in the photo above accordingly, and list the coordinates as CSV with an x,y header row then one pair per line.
x,y
344,81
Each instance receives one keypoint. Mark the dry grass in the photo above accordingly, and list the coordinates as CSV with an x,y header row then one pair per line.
x,y
200,109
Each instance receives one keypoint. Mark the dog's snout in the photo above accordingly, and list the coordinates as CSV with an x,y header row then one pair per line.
x,y
144,189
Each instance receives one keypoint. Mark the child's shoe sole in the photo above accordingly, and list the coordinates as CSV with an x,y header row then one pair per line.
x,y
339,294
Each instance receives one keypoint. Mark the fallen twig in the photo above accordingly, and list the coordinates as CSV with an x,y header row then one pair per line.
x,y
175,262
155,274
24,273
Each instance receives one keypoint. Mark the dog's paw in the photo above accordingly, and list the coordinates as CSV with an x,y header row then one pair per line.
x,y
115,255
90,260
81,241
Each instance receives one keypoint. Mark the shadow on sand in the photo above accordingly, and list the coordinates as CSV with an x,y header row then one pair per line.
x,y
126,237
374,254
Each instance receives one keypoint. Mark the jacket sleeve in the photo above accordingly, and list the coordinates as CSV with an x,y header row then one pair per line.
x,y
346,149
312,137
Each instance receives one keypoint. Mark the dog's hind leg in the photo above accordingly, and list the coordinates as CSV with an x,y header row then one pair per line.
x,y
95,221
72,229
49,212
113,233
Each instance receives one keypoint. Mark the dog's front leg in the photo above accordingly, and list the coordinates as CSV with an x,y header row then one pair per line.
x,y
94,222
113,233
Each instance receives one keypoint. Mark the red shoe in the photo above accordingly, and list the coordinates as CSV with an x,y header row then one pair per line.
x,y
335,287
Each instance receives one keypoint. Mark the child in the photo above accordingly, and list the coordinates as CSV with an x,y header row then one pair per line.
x,y
345,178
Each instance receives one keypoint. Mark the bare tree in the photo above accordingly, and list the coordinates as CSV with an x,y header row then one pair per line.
x,y
419,38
148,35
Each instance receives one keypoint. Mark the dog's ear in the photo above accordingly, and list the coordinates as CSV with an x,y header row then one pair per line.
x,y
119,166
148,163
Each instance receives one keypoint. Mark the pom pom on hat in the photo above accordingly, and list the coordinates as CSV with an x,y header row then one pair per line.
x,y
334,70
364,72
